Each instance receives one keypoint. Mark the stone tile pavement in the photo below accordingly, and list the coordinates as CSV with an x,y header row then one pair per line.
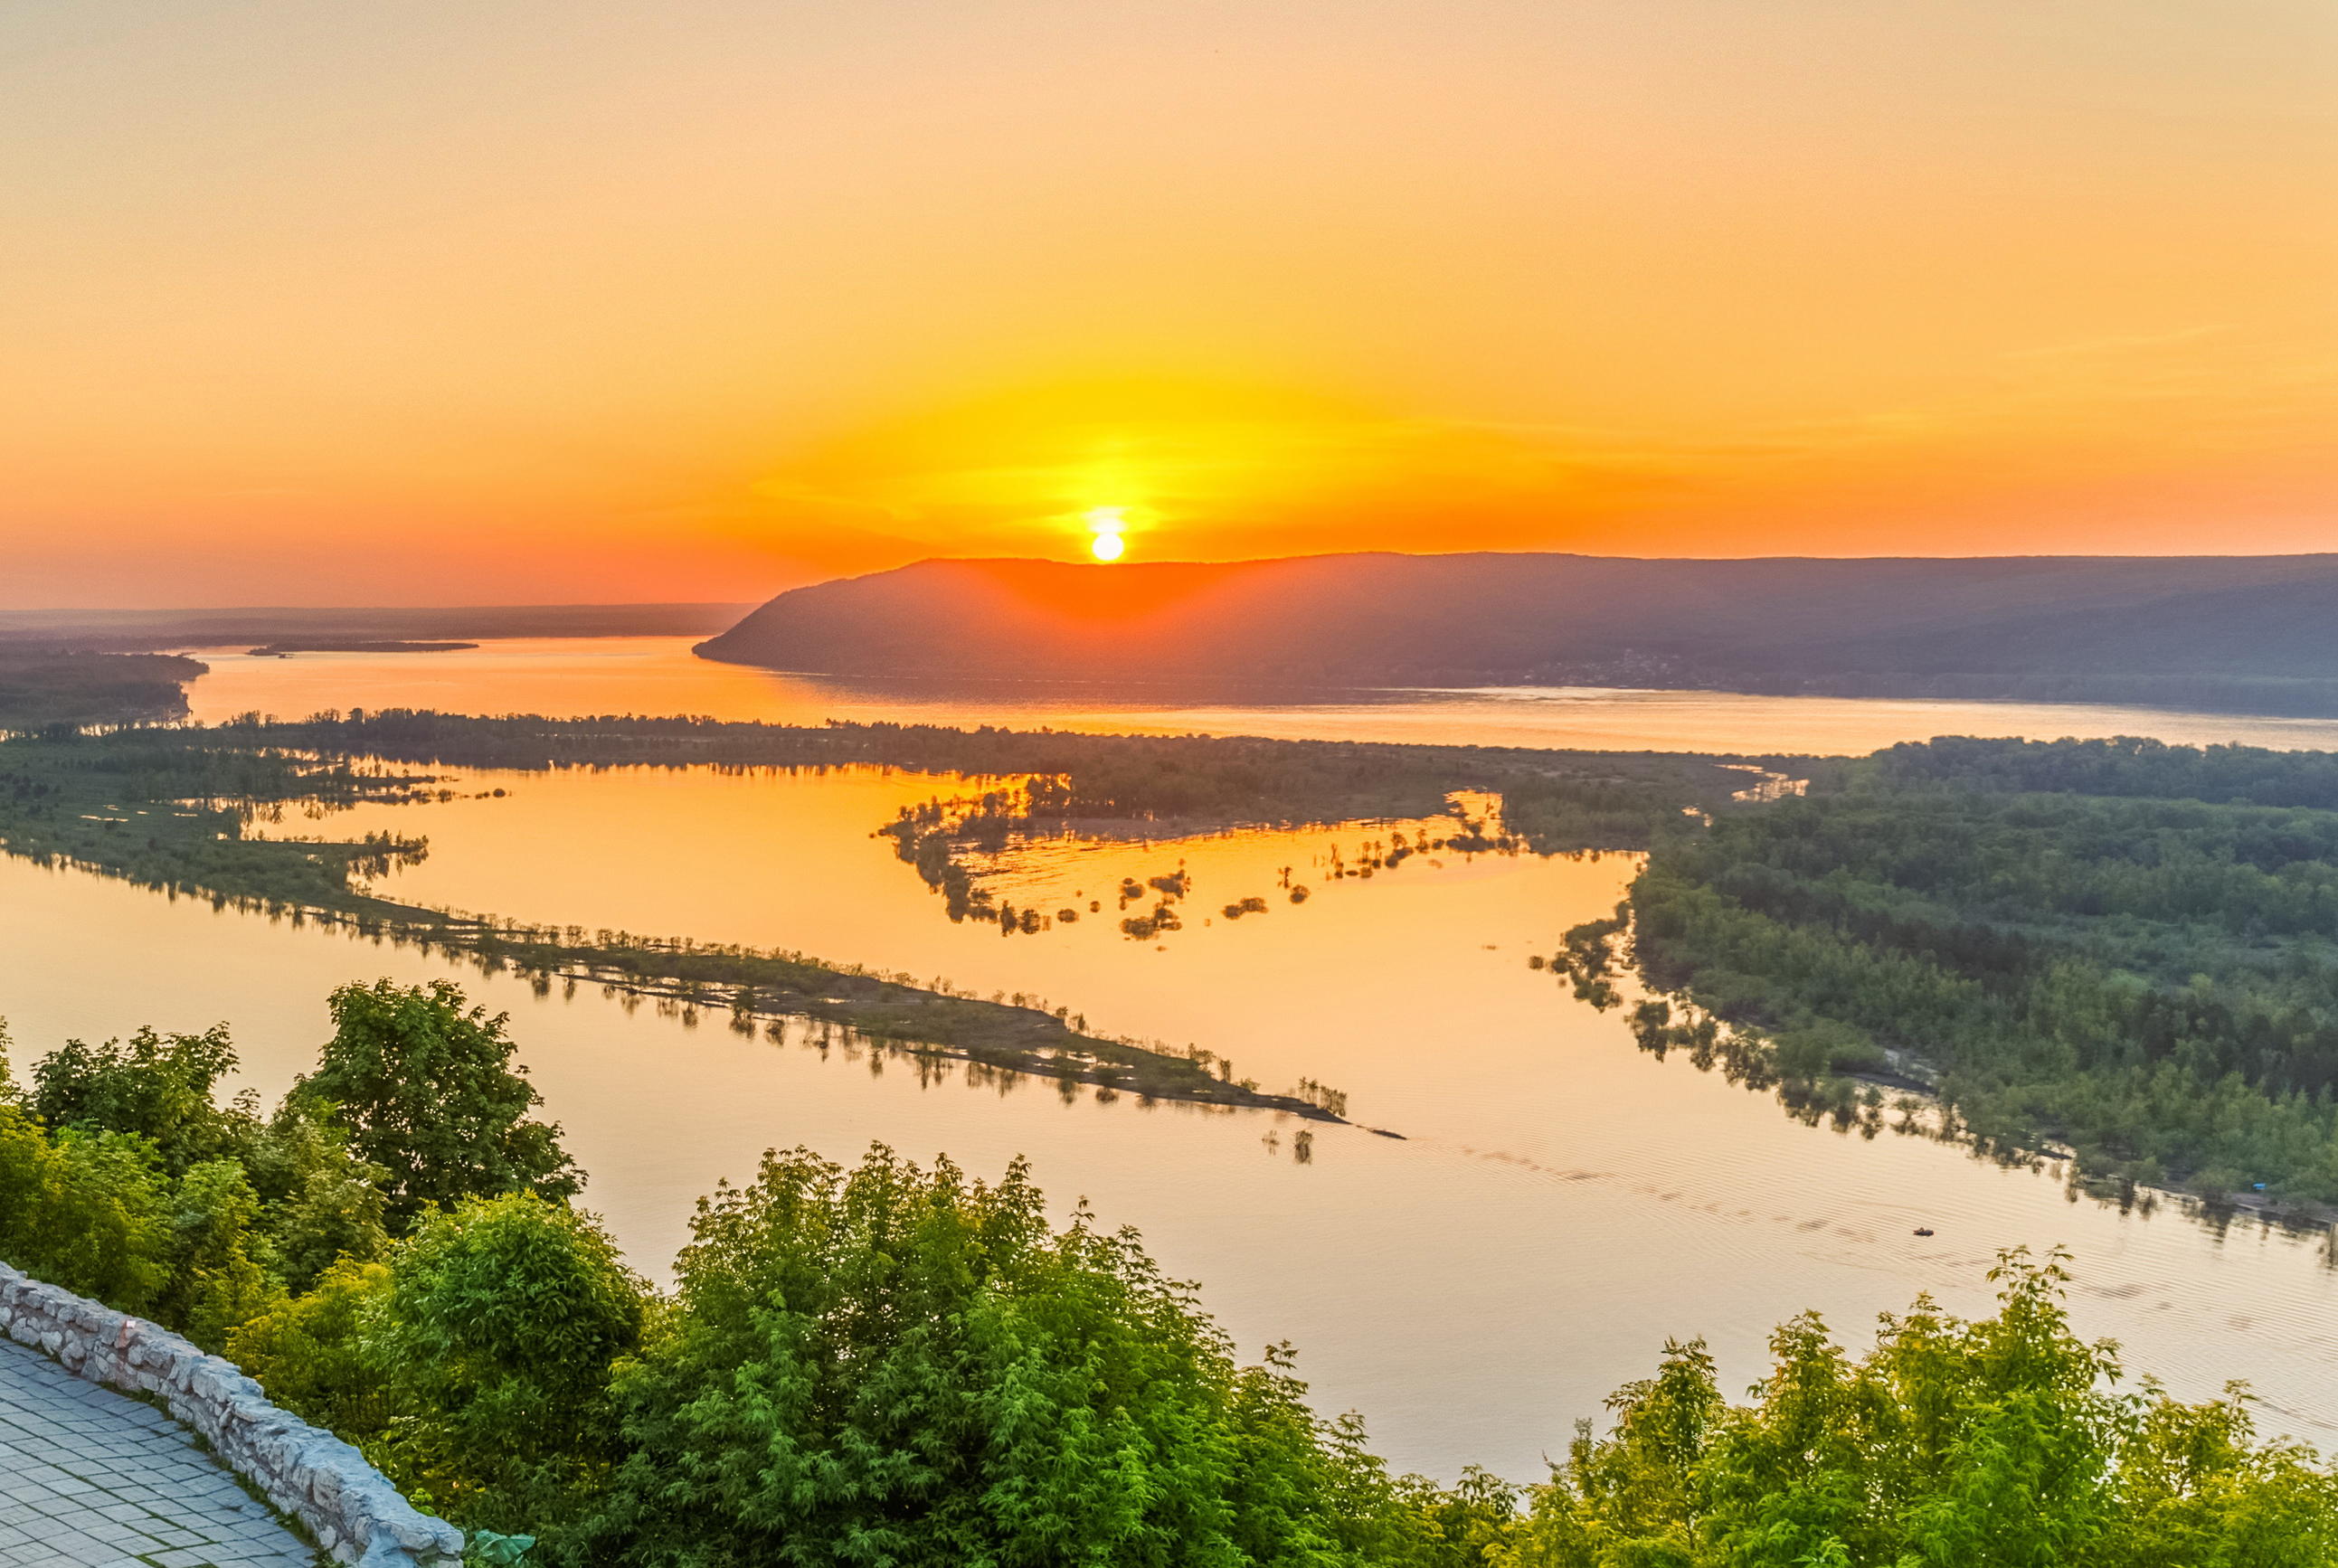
x,y
89,1479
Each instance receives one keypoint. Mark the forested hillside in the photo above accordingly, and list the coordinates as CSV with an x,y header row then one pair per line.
x,y
2255,635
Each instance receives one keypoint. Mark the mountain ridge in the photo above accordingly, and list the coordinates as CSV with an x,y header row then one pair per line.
x,y
2241,634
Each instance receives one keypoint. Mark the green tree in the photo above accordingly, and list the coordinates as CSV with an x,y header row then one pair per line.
x,y
215,1282
500,1324
319,1202
895,1365
430,1094
159,1086
1999,1443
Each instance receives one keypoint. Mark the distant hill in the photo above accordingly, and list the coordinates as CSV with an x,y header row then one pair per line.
x,y
2237,633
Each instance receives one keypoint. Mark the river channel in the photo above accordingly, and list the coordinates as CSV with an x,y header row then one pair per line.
x,y
1558,1204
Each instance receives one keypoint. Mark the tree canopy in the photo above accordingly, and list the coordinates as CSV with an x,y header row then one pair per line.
x,y
430,1094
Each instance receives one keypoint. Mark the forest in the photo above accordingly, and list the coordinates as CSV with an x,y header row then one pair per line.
x,y
39,690
905,1365
1573,800
2121,949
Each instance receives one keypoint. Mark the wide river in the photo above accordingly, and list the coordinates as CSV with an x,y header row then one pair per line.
x,y
1559,1205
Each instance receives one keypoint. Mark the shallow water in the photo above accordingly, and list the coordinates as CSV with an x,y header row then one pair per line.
x,y
659,675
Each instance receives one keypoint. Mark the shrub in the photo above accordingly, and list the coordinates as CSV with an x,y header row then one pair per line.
x,y
214,1281
317,1355
320,1202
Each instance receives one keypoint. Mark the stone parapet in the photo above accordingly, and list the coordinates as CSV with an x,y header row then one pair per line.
x,y
355,1514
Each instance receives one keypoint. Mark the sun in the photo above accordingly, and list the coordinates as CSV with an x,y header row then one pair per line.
x,y
1105,523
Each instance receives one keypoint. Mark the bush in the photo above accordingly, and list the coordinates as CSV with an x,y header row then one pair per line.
x,y
320,1202
214,1282
316,1354
498,1332
89,1212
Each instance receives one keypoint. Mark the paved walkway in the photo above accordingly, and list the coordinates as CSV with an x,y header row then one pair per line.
x,y
91,1477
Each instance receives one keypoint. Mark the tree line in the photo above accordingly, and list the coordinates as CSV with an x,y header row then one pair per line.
x,y
2120,948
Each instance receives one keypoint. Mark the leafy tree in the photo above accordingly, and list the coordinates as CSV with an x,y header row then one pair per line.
x,y
501,1322
896,1365
1995,1444
319,1201
430,1094
158,1086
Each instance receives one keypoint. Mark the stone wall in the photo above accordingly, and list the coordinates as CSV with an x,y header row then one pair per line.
x,y
355,1514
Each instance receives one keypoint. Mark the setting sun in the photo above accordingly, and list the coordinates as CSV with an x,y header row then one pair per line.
x,y
1107,522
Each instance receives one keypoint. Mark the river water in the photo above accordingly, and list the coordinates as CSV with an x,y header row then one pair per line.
x,y
658,675
1558,1204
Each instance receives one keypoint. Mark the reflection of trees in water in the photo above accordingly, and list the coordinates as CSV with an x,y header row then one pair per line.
x,y
1303,1144
1596,953
945,840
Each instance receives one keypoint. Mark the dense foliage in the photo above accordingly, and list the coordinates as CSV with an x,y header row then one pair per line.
x,y
2002,1443
2119,965
432,1097
902,1367
41,691
473,1365
123,1178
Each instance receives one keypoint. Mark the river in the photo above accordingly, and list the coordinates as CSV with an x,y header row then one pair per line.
x,y
1559,1203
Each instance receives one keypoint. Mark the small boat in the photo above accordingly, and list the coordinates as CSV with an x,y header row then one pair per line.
x,y
1923,1231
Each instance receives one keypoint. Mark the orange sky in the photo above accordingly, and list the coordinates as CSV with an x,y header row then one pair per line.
x,y
572,300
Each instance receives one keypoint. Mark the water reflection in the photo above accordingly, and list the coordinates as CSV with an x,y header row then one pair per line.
x,y
573,677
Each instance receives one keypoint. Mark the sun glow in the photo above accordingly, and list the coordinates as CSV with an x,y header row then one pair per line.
x,y
1105,523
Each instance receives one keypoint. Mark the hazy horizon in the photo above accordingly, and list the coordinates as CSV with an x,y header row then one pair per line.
x,y
35,612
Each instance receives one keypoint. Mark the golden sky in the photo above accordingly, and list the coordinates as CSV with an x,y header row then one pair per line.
x,y
571,301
